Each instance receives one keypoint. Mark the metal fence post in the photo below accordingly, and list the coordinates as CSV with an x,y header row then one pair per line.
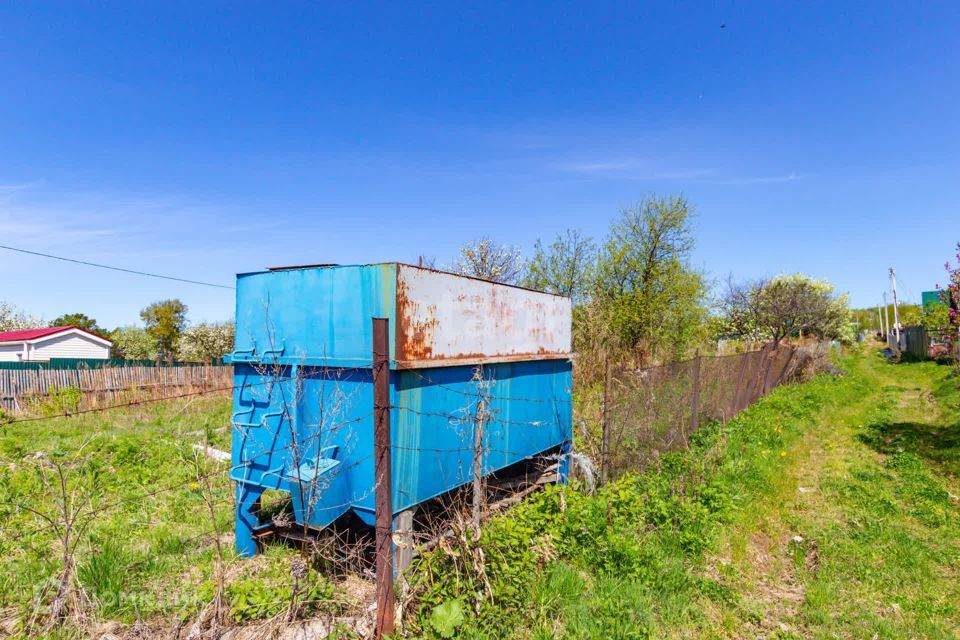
x,y
695,393
478,429
735,407
755,384
383,477
771,356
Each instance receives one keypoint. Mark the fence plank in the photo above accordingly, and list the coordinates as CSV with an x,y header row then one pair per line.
x,y
21,388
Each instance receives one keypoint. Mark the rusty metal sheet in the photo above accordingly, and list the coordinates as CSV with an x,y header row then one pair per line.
x,y
446,318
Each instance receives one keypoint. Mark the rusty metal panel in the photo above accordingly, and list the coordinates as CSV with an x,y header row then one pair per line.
x,y
444,319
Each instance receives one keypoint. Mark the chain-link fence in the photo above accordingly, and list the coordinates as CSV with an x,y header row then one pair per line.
x,y
648,412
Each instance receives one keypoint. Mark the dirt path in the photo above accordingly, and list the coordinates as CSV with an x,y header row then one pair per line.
x,y
860,536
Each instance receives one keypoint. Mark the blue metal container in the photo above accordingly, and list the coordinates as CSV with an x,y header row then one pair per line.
x,y
303,402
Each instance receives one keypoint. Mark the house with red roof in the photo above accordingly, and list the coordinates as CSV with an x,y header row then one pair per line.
x,y
33,345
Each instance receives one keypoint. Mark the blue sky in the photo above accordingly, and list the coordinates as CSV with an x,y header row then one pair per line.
x,y
205,139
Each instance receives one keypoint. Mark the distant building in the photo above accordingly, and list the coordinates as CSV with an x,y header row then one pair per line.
x,y
32,345
930,297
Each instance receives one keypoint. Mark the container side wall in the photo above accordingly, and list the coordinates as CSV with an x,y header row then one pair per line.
x,y
434,417
306,431
314,314
444,317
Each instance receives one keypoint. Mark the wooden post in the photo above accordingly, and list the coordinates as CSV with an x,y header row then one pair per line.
x,y
695,394
605,426
386,600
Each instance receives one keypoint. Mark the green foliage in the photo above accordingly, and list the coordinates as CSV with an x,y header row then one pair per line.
x,y
59,401
138,557
165,321
635,540
647,556
936,317
133,343
566,267
910,314
446,618
787,305
81,320
104,575
651,296
269,591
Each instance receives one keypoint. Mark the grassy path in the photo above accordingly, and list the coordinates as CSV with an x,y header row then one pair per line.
x,y
859,537
826,510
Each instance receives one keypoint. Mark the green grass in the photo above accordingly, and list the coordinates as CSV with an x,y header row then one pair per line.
x,y
148,551
826,510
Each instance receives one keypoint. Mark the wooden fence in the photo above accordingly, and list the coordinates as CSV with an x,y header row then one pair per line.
x,y
24,391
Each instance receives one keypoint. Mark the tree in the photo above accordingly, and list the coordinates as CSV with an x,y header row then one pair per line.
x,y
165,321
488,260
566,267
936,316
81,320
133,343
206,340
949,315
786,305
12,319
654,298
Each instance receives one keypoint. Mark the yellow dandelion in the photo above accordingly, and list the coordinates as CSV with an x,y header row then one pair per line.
x,y
783,454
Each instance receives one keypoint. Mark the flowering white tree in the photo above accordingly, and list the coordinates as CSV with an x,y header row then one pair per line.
x,y
12,319
133,343
206,340
489,260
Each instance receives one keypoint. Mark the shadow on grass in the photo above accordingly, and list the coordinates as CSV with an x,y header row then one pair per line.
x,y
936,443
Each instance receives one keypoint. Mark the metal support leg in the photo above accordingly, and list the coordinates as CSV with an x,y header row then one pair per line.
x,y
403,540
248,504
563,465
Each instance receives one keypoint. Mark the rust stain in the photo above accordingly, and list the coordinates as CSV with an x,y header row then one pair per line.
x,y
417,327
414,339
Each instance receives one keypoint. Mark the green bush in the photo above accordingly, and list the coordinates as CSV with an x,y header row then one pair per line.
x,y
58,402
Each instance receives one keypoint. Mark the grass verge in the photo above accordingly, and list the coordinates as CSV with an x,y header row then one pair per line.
x,y
812,514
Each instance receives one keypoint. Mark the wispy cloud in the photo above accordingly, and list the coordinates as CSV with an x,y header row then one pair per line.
x,y
631,169
113,223
12,187
790,177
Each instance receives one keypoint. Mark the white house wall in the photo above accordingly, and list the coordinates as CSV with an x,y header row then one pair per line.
x,y
68,346
11,352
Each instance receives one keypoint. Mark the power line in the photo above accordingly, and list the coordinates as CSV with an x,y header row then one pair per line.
x,y
104,266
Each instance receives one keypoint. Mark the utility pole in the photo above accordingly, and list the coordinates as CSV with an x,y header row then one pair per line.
x,y
896,312
886,317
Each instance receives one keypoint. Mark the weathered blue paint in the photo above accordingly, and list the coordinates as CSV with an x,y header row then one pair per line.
x,y
303,402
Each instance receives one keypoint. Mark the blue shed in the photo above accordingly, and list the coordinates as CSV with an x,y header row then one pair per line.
x,y
303,397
